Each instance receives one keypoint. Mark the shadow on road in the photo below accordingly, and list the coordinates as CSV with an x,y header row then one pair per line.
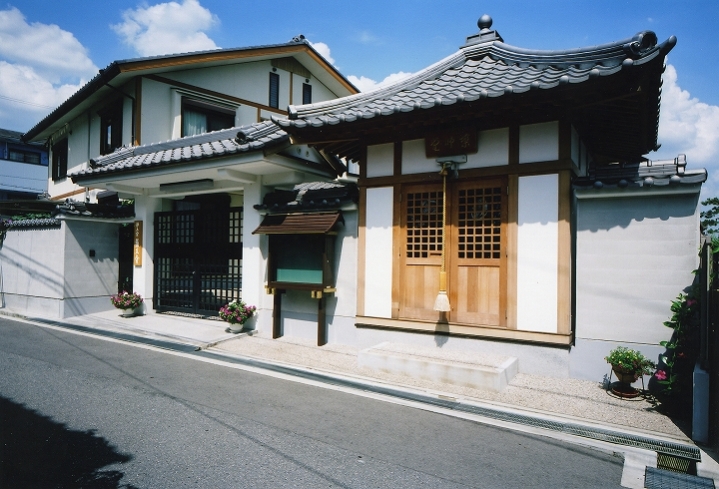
x,y
36,451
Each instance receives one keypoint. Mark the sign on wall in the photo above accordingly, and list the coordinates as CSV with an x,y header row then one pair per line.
x,y
450,143
137,240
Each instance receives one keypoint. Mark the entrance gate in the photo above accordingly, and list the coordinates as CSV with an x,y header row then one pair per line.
x,y
198,259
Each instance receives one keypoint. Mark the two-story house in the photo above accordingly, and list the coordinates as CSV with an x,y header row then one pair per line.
x,y
182,138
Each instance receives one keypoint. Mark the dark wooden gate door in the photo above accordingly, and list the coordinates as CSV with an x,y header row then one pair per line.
x,y
198,259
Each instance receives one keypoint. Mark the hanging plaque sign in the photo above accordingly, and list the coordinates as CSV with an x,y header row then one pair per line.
x,y
452,142
137,242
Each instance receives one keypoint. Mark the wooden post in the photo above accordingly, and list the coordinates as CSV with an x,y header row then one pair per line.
x,y
277,331
321,320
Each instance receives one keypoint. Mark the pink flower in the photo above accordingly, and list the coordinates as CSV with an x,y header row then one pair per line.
x,y
661,375
691,302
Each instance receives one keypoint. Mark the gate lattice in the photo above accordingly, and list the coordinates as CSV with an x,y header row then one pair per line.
x,y
198,260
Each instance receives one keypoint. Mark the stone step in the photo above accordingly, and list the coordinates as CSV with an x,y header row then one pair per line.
x,y
476,370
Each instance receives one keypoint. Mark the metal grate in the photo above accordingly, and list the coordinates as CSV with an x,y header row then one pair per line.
x,y
676,464
659,446
664,479
198,259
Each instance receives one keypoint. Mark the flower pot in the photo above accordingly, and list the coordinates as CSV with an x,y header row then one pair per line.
x,y
623,387
131,313
235,327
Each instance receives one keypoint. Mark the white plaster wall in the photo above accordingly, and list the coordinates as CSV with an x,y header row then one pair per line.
x,y
493,149
158,112
47,272
537,253
634,256
380,160
539,142
378,253
414,159
33,262
143,277
254,257
90,281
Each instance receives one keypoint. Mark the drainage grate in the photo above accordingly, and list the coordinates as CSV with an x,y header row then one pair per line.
x,y
664,479
676,464
660,446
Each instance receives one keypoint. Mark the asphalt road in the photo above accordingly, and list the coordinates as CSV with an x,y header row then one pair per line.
x,y
78,411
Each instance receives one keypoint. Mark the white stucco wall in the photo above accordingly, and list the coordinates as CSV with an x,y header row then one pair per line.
x,y
539,142
537,253
414,159
48,272
380,160
378,253
143,277
634,256
493,149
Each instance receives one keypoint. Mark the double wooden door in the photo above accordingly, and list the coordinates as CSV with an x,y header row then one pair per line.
x,y
474,241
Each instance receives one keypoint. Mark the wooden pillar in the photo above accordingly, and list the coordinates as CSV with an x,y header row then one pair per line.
x,y
321,320
277,330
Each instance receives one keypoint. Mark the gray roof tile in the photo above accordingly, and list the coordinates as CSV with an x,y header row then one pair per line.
x,y
254,137
645,174
482,69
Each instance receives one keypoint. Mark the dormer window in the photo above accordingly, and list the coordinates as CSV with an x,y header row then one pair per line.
x,y
199,117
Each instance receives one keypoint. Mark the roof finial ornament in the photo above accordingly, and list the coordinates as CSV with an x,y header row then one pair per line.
x,y
484,22
486,34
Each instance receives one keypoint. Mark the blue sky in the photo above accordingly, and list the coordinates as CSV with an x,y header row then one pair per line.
x,y
48,52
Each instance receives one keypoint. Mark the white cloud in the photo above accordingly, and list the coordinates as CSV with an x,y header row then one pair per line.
x,y
688,126
367,84
53,53
324,50
41,65
167,28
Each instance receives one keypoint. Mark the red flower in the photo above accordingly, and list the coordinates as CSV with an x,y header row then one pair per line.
x,y
661,375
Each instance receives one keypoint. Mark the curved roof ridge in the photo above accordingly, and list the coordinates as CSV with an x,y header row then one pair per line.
x,y
432,71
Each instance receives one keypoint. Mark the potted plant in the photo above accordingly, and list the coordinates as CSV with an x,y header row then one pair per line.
x,y
237,313
128,301
628,365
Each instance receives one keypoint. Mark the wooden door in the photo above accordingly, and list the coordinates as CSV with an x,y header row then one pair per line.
x,y
477,252
475,243
421,251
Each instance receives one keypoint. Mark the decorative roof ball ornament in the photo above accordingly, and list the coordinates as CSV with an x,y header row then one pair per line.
x,y
484,23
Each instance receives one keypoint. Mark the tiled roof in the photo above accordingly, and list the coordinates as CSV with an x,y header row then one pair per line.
x,y
483,68
254,137
486,69
637,175
310,197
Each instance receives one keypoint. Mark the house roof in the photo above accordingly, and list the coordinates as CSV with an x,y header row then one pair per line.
x,y
610,92
645,174
310,197
255,137
119,72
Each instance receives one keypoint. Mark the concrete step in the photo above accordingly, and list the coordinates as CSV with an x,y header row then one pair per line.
x,y
476,370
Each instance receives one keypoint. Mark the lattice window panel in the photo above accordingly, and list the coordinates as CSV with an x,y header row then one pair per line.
x,y
479,223
424,224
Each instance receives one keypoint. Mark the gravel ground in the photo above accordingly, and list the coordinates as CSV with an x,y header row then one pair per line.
x,y
572,398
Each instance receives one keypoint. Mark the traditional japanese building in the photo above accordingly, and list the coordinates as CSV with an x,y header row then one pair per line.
x,y
473,212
